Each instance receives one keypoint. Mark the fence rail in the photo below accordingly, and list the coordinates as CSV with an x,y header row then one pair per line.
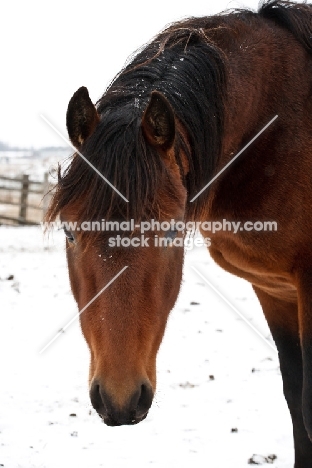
x,y
23,201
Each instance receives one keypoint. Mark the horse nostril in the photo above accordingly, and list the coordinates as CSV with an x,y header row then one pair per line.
x,y
96,399
145,400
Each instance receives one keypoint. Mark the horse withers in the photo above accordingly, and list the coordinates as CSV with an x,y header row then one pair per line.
x,y
169,122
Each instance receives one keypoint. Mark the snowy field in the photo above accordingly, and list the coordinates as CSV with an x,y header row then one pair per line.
x,y
219,400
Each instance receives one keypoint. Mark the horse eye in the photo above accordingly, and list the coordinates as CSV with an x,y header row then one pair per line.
x,y
69,235
172,234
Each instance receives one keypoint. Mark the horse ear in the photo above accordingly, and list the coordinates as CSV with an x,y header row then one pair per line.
x,y
81,117
158,122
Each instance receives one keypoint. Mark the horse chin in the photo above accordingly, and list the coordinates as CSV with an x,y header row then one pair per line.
x,y
109,421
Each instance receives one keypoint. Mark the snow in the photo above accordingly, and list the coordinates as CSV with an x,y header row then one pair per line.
x,y
219,401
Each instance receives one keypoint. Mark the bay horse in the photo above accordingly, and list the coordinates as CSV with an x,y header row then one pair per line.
x,y
177,113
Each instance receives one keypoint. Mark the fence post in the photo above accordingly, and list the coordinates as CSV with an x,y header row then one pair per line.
x,y
46,195
24,196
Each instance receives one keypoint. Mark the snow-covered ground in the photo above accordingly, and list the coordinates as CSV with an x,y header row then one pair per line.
x,y
219,400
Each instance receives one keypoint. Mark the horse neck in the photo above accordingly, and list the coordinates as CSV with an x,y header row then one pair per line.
x,y
266,70
262,68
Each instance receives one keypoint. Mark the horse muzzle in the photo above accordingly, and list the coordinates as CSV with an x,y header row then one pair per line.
x,y
132,412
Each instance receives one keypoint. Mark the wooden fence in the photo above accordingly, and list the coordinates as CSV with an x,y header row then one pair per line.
x,y
22,200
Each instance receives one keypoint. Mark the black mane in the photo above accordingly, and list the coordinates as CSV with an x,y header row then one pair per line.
x,y
189,70
297,18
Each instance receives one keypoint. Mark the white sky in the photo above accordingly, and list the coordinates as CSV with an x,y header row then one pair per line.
x,y
50,49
